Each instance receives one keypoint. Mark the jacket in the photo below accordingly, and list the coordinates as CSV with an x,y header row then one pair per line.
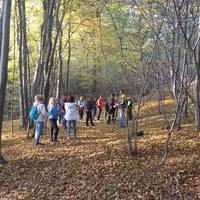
x,y
100,103
71,111
81,103
89,106
54,111
42,110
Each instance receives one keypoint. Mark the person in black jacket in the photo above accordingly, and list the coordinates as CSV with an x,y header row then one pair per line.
x,y
88,109
111,109
129,109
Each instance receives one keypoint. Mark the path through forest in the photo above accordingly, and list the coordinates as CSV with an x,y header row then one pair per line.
x,y
97,167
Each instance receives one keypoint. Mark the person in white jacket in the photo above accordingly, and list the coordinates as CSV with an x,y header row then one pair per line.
x,y
71,115
39,122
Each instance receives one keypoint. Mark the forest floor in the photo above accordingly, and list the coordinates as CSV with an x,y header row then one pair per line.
x,y
97,166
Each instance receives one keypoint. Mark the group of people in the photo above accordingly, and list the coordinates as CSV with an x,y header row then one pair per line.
x,y
68,111
119,103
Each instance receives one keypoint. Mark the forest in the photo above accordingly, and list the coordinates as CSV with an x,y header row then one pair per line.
x,y
146,50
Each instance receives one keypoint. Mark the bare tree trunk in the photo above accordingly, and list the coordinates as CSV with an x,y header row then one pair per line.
x,y
22,43
197,100
24,60
185,83
60,49
173,70
186,105
38,81
158,95
4,62
197,85
181,98
41,83
60,64
1,20
14,67
69,54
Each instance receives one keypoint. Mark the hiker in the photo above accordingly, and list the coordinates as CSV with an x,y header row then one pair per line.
x,y
94,110
111,109
129,109
88,109
54,113
39,122
106,108
71,116
81,104
100,105
122,107
62,102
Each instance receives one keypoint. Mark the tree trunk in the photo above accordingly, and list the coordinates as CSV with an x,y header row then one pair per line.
x,y
20,66
158,95
186,106
39,72
69,54
173,71
197,85
4,61
23,54
1,18
60,64
41,82
185,82
14,66
24,60
197,100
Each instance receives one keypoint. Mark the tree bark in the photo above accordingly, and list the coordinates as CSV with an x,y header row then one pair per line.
x,y
197,85
4,61
60,63
158,95
1,18
20,67
23,54
41,82
69,54
197,100
24,60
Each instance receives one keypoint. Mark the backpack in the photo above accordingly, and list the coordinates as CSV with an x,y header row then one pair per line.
x,y
54,111
34,113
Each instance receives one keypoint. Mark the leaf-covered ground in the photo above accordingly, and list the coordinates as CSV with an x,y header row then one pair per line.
x,y
97,167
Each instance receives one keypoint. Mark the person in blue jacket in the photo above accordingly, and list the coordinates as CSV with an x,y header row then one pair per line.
x,y
54,113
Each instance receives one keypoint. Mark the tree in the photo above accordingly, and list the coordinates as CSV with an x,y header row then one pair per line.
x,y
4,61
1,18
23,63
41,83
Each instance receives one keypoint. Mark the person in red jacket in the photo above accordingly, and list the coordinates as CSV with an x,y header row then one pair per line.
x,y
100,105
